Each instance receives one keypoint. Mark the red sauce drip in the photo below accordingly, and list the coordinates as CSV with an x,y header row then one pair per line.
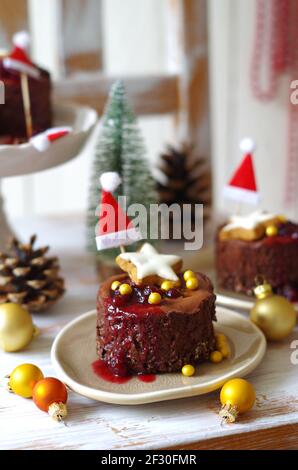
x,y
281,240
101,369
147,378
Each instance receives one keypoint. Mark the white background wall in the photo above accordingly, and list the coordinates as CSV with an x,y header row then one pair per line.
x,y
135,41
236,113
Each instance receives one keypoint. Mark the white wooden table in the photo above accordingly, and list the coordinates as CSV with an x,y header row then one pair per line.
x,y
187,423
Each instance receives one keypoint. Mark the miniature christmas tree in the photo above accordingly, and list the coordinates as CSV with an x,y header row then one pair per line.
x,y
120,149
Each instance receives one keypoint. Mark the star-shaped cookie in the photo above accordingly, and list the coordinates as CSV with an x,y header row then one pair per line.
x,y
248,227
147,266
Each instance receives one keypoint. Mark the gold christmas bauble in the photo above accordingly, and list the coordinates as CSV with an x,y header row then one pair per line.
x,y
23,379
273,314
16,327
237,396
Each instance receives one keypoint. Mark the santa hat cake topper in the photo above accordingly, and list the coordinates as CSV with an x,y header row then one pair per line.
x,y
18,59
114,228
242,186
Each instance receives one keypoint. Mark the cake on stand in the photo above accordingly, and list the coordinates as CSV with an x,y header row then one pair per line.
x,y
24,159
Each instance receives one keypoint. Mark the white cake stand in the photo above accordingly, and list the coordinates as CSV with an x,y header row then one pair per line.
x,y
24,159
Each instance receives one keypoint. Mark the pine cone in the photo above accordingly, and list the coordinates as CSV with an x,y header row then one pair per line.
x,y
187,179
28,277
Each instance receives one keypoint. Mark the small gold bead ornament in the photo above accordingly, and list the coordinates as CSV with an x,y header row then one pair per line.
x,y
115,285
154,298
188,274
216,357
125,289
188,370
167,285
271,230
192,283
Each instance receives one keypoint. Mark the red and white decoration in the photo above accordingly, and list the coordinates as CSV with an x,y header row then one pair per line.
x,y
274,56
18,59
44,140
242,186
114,227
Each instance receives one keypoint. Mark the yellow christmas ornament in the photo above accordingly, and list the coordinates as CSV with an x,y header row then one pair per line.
x,y
237,396
23,379
273,314
16,327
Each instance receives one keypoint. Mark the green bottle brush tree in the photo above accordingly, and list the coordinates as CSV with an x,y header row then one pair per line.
x,y
120,147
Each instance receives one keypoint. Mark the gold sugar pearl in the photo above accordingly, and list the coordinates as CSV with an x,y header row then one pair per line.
x,y
188,370
188,274
125,289
192,283
220,338
115,285
167,285
271,230
154,298
222,345
216,357
224,350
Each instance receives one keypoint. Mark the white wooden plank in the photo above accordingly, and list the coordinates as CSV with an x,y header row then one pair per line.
x,y
81,36
155,94
45,28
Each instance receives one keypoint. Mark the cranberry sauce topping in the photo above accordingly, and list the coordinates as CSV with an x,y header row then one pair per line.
x,y
147,378
103,371
287,233
140,296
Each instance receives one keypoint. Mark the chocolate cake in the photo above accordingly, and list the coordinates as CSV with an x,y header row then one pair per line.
x,y
12,117
135,337
273,255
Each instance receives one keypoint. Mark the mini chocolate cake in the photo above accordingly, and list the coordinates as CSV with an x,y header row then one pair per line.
x,y
12,118
273,256
135,337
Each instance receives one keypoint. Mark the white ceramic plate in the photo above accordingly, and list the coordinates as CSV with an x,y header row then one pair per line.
x,y
24,158
74,350
237,301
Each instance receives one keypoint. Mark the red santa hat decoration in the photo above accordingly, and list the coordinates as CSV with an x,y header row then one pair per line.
x,y
114,228
242,186
44,140
18,59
